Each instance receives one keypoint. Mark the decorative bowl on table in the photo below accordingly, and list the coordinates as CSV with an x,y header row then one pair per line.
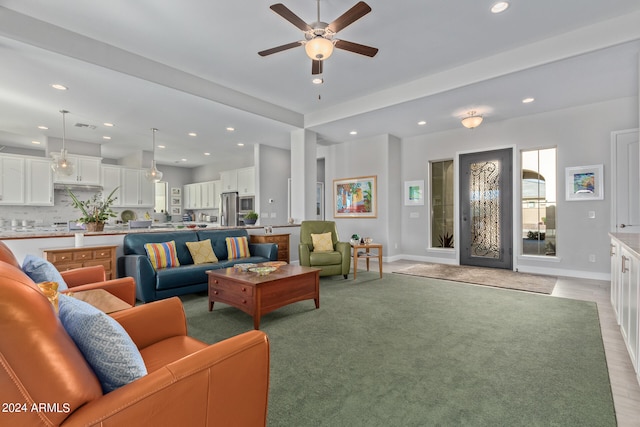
x,y
244,266
262,271
202,225
179,226
276,264
191,226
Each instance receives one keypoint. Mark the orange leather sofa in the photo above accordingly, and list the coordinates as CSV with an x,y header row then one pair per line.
x,y
44,379
85,278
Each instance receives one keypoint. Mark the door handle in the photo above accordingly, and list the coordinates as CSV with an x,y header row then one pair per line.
x,y
626,225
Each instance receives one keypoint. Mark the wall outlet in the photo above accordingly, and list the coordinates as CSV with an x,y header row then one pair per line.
x,y
273,214
591,214
592,258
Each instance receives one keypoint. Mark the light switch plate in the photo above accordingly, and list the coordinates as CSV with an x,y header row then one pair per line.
x,y
591,214
414,214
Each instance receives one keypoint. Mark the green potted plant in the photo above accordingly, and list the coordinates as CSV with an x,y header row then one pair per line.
x,y
250,218
95,211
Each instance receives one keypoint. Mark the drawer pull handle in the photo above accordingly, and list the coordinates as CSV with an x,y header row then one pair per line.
x,y
244,289
244,301
215,292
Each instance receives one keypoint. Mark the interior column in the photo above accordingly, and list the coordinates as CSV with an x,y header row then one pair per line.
x,y
303,175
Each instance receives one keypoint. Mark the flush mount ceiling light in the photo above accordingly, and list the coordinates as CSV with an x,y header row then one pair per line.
x,y
62,166
499,7
153,174
528,100
59,86
472,120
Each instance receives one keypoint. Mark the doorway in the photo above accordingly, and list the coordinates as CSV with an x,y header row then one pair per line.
x,y
625,176
486,209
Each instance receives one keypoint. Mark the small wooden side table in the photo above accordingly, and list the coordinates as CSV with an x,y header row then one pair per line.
x,y
102,300
367,255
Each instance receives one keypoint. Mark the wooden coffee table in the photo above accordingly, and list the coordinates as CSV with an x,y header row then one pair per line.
x,y
259,295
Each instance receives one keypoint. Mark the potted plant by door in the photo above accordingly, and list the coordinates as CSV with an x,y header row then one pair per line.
x,y
95,211
250,218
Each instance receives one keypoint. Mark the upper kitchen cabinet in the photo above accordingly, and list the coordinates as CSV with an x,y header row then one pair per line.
x,y
136,190
12,174
247,181
39,182
112,179
229,180
87,170
202,195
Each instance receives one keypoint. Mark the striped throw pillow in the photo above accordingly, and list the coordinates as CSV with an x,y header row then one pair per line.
x,y
162,255
237,247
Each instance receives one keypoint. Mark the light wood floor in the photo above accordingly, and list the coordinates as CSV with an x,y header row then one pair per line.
x,y
624,386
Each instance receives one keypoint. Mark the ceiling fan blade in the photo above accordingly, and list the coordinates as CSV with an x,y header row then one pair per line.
x,y
356,48
350,16
286,13
279,48
316,67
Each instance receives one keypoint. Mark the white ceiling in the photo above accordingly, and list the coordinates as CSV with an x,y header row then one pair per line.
x,y
192,66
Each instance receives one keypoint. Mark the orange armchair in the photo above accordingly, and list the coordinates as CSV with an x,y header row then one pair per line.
x,y
46,380
85,278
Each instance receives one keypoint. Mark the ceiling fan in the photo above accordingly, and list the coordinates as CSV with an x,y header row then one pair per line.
x,y
319,38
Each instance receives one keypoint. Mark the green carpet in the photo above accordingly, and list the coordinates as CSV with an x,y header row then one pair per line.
x,y
410,351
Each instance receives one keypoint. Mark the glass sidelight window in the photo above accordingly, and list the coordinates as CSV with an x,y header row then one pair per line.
x,y
539,185
441,204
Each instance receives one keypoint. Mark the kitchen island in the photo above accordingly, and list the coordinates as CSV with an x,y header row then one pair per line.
x,y
34,241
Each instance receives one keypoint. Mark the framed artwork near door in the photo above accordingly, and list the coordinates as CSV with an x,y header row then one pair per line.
x,y
584,183
414,193
355,197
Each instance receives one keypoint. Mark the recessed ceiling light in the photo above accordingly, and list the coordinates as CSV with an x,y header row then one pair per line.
x,y
162,146
501,6
317,81
192,134
183,160
207,154
59,86
35,142
528,100
110,125
106,137
43,127
422,123
230,129
240,144
353,132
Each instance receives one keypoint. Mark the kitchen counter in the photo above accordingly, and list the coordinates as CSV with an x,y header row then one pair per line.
x,y
10,233
630,240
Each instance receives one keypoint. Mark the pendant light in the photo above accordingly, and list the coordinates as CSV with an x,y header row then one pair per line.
x,y
62,165
153,174
472,120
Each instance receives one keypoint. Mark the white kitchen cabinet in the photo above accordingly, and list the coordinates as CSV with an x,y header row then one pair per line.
x,y
229,180
625,291
217,185
192,196
112,179
137,190
246,181
39,182
12,179
87,170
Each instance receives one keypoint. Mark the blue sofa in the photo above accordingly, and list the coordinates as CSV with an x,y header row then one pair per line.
x,y
188,278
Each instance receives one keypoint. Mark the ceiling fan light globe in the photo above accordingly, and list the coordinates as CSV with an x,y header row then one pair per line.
x,y
319,48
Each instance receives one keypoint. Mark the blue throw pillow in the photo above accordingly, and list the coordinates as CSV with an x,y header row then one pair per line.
x,y
105,344
41,270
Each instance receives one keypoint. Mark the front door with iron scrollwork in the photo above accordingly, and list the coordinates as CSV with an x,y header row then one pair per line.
x,y
486,209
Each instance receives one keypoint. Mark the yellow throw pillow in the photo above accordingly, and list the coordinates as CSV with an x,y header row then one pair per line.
x,y
322,242
202,252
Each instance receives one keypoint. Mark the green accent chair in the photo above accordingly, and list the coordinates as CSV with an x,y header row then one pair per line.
x,y
331,263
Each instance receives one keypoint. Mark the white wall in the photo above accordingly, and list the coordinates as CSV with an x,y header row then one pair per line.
x,y
582,136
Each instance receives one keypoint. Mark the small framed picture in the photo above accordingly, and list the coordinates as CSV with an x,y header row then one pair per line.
x,y
176,191
176,201
414,193
584,183
176,210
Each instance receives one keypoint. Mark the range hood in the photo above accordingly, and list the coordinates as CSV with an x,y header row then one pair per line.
x,y
77,187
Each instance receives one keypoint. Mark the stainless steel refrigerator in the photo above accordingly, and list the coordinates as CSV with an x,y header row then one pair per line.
x,y
229,209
